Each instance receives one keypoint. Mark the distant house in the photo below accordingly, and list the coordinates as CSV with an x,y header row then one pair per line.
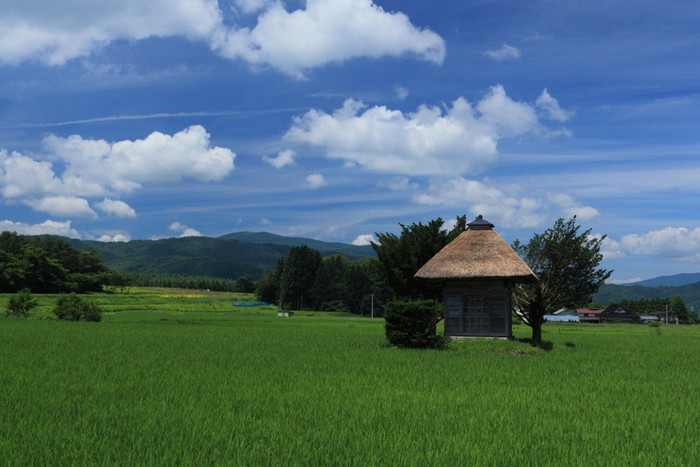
x,y
662,315
648,319
616,314
589,315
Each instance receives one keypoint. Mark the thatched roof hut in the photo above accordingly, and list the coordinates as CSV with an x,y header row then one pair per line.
x,y
478,270
477,253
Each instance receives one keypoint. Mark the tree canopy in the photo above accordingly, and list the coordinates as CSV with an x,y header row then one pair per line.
x,y
400,257
566,264
48,264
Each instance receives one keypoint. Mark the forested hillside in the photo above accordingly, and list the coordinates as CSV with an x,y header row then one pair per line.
x,y
222,257
610,293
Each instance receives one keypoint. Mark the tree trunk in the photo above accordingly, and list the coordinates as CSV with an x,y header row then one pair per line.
x,y
536,333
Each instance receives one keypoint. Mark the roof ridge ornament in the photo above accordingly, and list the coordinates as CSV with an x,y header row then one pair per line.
x,y
480,224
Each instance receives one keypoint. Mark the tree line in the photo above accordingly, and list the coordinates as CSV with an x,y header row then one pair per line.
x,y
303,280
674,305
48,264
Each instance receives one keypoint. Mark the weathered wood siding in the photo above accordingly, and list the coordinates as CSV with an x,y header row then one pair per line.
x,y
477,310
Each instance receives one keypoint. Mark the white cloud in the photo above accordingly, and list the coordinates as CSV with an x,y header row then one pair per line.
x,y
184,230
363,240
398,183
674,242
327,31
514,208
623,281
314,181
461,139
64,206
113,238
47,227
401,93
116,208
506,52
126,165
55,32
96,168
551,106
282,159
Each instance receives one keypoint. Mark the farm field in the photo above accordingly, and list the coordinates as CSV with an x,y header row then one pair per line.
x,y
173,377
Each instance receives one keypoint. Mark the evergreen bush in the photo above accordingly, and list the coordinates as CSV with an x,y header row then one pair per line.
x,y
74,308
413,324
21,303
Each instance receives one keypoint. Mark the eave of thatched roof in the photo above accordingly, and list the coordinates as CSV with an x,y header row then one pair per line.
x,y
477,254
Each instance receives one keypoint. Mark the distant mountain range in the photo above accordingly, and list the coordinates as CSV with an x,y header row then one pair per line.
x,y
229,256
669,281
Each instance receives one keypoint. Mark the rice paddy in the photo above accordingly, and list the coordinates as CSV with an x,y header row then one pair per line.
x,y
168,378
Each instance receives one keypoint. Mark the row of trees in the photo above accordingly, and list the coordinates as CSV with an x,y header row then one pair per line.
x,y
305,281
48,264
244,284
674,305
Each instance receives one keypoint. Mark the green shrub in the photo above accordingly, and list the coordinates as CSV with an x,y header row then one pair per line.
x,y
21,303
413,324
74,308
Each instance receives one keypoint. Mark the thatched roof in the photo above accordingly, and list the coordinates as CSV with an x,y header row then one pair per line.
x,y
478,253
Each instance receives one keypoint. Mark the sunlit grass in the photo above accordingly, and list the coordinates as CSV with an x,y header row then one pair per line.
x,y
242,386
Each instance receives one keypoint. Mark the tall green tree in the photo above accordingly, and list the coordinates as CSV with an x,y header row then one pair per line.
x,y
685,316
401,256
298,276
566,264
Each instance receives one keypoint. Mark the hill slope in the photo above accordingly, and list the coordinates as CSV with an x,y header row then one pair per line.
x,y
610,293
225,257
351,251
671,281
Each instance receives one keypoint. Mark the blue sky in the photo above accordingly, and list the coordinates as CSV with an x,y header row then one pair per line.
x,y
336,119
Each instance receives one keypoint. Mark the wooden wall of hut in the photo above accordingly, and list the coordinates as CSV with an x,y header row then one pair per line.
x,y
478,309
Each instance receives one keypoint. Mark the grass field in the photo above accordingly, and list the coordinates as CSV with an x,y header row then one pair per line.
x,y
186,378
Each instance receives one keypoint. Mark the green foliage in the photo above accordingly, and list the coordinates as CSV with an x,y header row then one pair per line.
x,y
75,308
48,264
678,307
413,324
400,257
21,303
566,264
298,276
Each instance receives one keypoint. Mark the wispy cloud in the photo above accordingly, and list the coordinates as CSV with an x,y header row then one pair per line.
x,y
506,52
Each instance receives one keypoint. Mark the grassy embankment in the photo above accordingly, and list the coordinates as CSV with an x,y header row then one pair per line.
x,y
167,379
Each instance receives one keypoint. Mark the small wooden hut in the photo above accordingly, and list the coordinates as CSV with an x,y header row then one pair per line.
x,y
478,270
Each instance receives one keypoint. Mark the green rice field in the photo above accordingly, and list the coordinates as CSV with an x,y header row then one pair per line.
x,y
186,378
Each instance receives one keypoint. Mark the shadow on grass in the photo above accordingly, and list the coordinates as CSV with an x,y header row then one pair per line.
x,y
547,346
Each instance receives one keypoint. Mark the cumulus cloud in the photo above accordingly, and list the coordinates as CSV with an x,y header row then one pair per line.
x,y
49,227
314,181
96,168
677,243
184,230
363,240
460,139
64,206
325,31
514,208
116,208
113,238
506,52
56,32
282,159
